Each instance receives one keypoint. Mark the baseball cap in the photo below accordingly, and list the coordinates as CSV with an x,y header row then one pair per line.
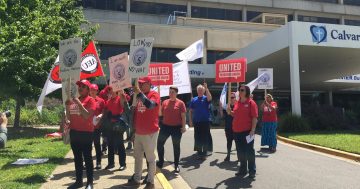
x,y
94,86
84,82
144,80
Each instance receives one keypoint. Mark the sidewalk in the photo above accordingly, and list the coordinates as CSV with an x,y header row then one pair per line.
x,y
64,174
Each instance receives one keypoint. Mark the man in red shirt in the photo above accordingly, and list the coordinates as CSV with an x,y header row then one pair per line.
x,y
245,115
146,126
80,113
100,103
174,119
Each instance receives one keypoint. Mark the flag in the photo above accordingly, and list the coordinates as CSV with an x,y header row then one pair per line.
x,y
254,83
223,96
193,52
52,83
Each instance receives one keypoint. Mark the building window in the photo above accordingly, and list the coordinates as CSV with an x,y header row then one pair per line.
x,y
318,19
213,56
352,22
251,15
116,5
325,1
290,18
352,2
107,51
155,8
215,13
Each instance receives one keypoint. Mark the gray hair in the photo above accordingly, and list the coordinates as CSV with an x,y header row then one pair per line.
x,y
200,87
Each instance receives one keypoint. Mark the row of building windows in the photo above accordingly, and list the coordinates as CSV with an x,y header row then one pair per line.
x,y
346,2
161,54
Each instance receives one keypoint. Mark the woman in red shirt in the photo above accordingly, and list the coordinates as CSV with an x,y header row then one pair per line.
x,y
269,123
174,120
245,115
80,113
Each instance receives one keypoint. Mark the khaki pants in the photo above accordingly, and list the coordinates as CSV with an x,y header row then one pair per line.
x,y
145,144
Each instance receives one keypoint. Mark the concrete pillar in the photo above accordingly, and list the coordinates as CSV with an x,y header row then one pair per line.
x,y
188,6
331,103
296,14
204,58
294,73
341,2
128,2
244,14
342,20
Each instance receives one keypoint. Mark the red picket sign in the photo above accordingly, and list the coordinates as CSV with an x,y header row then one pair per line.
x,y
230,70
161,74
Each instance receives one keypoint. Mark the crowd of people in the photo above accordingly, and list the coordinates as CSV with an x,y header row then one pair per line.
x,y
148,123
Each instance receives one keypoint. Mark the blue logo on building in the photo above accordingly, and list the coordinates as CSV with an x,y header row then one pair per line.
x,y
319,34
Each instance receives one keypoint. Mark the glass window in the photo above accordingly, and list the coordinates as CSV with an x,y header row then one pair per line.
x,y
352,2
352,22
215,13
325,1
213,56
252,14
107,51
155,8
318,19
290,18
118,5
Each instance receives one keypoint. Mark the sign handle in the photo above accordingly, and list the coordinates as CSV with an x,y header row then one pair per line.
x,y
229,93
134,96
265,94
69,88
160,112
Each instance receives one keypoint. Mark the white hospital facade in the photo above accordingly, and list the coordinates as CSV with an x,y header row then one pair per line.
x,y
307,42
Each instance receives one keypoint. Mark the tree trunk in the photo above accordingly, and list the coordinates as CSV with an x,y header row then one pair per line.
x,y
17,113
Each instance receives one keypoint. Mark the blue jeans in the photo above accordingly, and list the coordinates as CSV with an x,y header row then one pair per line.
x,y
245,152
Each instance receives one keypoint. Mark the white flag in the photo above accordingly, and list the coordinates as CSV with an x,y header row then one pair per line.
x,y
223,96
181,80
254,83
193,52
49,87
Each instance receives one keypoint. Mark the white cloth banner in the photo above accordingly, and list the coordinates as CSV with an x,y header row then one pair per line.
x,y
193,52
254,83
223,96
48,88
119,72
181,80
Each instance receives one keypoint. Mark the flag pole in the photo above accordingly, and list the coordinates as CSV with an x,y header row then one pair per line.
x,y
160,113
134,96
229,93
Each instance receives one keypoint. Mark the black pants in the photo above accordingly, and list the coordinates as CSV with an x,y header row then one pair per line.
x,y
81,145
175,133
97,136
116,141
229,139
203,139
245,152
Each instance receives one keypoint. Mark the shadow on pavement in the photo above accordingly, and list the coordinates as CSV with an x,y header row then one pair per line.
x,y
235,182
191,161
229,165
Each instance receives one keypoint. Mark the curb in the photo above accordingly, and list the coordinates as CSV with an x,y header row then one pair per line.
x,y
317,148
162,179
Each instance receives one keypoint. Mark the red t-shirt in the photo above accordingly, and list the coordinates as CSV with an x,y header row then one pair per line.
x,y
268,114
79,123
244,112
114,106
146,121
100,105
171,111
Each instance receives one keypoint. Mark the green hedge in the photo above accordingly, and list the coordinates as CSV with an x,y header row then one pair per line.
x,y
293,123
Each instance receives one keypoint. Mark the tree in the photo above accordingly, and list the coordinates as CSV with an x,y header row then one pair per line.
x,y
30,31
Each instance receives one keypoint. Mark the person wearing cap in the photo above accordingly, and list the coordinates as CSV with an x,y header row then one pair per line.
x,y
146,128
173,111
100,103
269,123
245,115
228,125
199,118
114,109
80,113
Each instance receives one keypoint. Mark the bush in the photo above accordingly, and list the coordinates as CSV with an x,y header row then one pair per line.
x,y
293,123
325,117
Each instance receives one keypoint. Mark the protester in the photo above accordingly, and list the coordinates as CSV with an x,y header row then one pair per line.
x,y
228,126
3,130
104,94
269,123
100,104
199,118
146,126
245,115
80,112
173,111
115,127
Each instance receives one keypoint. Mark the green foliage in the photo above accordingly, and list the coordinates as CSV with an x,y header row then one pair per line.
x,y
293,123
325,117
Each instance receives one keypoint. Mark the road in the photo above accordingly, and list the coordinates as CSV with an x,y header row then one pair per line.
x,y
289,168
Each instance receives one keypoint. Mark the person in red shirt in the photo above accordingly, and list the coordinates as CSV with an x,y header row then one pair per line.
x,y
80,113
269,123
245,115
115,130
100,104
146,126
174,119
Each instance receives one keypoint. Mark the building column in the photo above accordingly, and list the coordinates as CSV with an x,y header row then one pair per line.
x,y
341,2
296,14
331,103
294,73
188,6
204,58
128,2
342,20
244,14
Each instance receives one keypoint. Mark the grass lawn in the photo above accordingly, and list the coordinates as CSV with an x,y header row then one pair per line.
x,y
29,143
348,141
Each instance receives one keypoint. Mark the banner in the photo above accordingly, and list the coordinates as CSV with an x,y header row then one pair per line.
x,y
161,74
119,72
193,52
140,56
223,96
181,79
230,70
70,58
266,81
254,83
90,63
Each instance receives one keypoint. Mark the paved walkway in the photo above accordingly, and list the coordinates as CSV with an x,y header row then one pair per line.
x,y
64,174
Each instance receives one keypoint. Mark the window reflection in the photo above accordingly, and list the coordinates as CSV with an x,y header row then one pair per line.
x,y
155,8
215,13
117,5
318,19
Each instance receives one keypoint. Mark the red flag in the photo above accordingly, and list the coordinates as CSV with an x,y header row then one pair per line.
x,y
230,70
